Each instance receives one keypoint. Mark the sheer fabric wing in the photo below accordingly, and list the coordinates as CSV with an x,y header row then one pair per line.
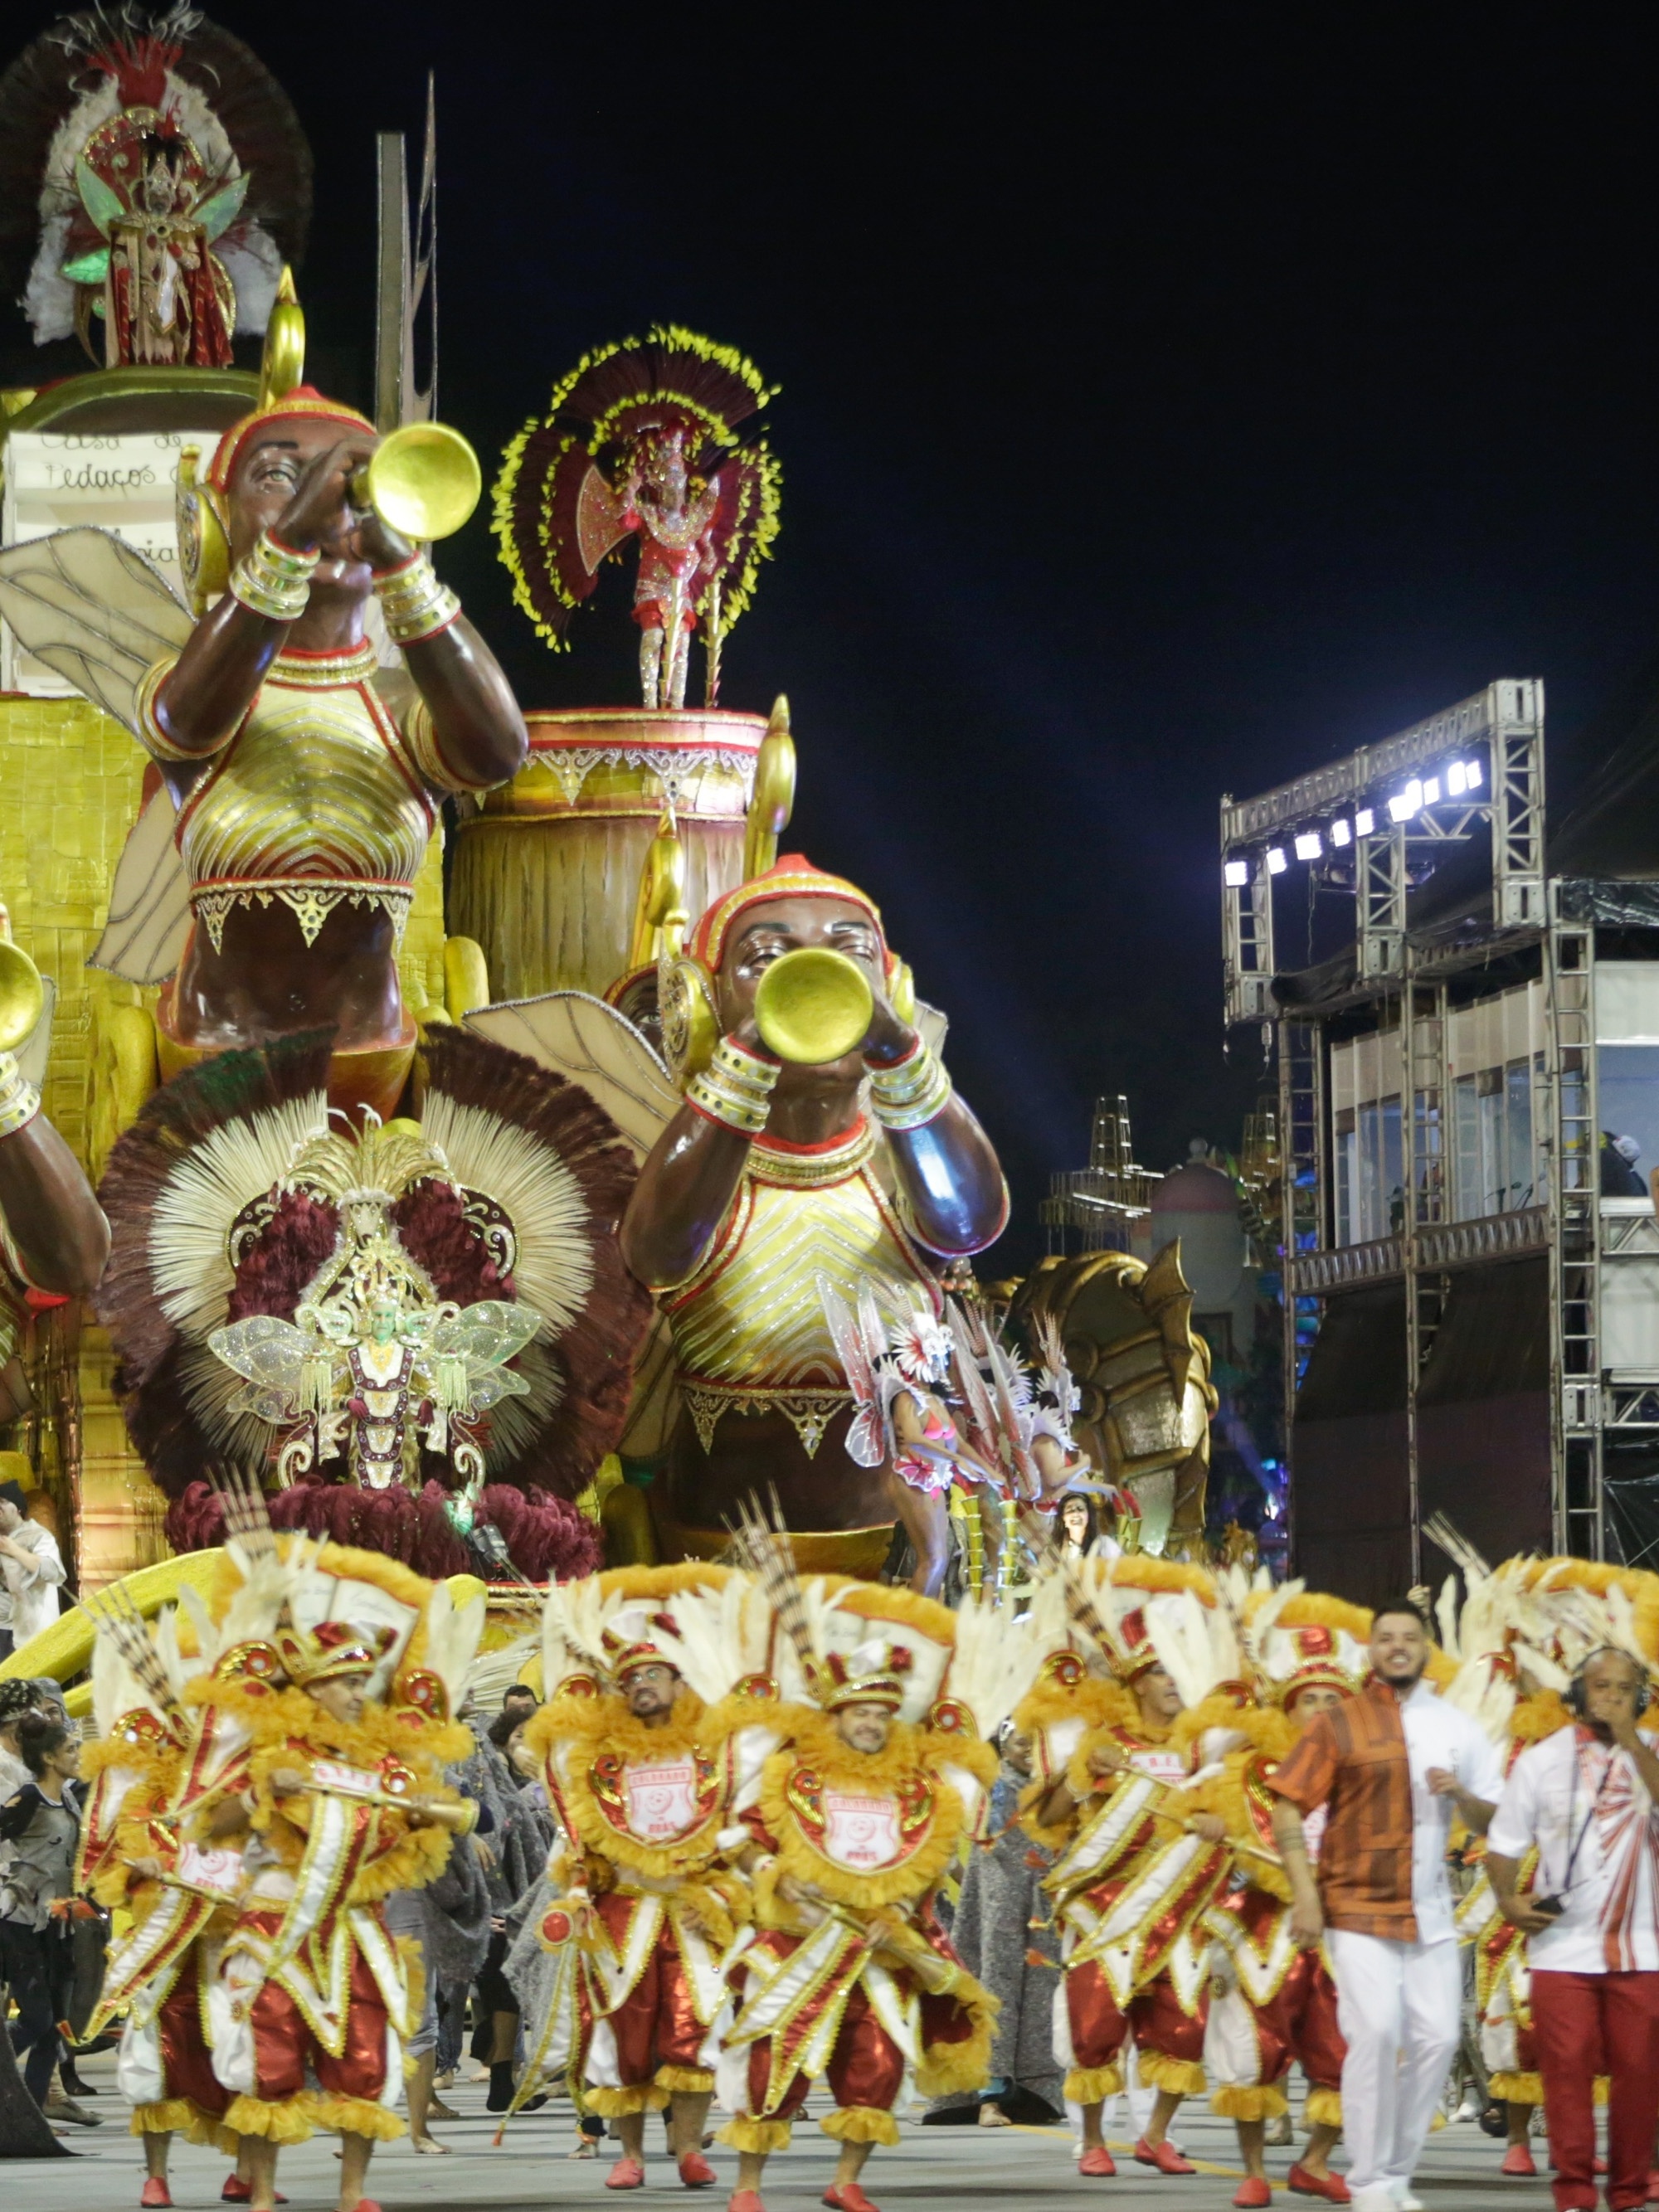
x,y
95,611
269,1354
866,1439
144,936
592,1045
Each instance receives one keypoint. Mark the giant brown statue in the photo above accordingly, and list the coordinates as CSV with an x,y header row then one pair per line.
x,y
775,1177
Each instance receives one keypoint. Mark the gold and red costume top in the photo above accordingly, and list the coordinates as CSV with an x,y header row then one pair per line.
x,y
654,1815
1128,1888
875,1834
318,1863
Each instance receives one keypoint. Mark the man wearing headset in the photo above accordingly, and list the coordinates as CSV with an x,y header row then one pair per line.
x,y
1587,1799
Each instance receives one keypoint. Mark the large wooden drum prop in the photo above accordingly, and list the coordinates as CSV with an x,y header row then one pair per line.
x,y
548,869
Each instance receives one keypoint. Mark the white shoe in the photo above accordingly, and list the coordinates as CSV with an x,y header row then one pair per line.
x,y
1404,2201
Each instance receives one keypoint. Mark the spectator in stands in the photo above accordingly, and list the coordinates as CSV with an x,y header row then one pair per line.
x,y
31,1572
41,1824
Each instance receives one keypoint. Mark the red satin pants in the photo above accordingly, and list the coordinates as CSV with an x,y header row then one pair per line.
x,y
1589,2024
866,2066
284,2045
1100,2027
1299,2022
656,2023
186,2066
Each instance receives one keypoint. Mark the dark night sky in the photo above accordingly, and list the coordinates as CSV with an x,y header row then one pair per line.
x,y
1167,407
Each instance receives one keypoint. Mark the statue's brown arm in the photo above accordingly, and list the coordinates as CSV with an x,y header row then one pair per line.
x,y
223,664
681,1197
952,1181
950,1176
479,728
57,1227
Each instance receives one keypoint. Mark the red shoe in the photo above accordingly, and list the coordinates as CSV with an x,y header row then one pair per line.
x,y
157,2193
1097,2160
848,2197
695,2172
626,2173
1518,2160
1653,2187
1254,2191
1599,2167
238,2192
1164,2156
744,2200
1331,2186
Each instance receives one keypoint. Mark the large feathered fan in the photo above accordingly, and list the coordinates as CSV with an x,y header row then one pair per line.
x,y
231,1198
213,91
562,495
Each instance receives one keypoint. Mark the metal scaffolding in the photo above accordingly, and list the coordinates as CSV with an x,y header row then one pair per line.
x,y
1403,989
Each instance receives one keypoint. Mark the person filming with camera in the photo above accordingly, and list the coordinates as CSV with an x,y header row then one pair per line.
x,y
1587,1800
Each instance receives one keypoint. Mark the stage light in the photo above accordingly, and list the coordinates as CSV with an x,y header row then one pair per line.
x,y
1432,792
1457,778
1406,802
1364,822
1308,847
1472,769
1340,833
1277,863
1236,874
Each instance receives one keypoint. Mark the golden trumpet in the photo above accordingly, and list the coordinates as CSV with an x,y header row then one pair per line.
x,y
423,480
813,1005
22,997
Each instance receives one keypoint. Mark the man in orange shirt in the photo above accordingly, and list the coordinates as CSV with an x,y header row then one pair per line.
x,y
1392,1765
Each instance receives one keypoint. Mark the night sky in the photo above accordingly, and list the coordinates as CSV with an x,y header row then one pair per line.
x,y
1165,410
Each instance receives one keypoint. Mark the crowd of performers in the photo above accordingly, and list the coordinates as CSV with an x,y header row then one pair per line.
x,y
1234,1807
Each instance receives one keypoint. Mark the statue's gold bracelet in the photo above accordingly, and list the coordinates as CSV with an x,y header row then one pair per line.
x,y
912,1092
274,582
735,1088
19,1101
415,604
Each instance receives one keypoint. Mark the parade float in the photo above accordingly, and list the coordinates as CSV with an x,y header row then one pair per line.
x,y
487,1116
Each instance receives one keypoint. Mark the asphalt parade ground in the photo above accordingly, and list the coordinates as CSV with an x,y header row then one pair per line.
x,y
1032,2168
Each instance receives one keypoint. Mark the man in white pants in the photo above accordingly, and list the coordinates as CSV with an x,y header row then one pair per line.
x,y
1392,1765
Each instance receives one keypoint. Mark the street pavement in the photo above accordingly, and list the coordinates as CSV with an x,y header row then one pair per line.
x,y
1032,2169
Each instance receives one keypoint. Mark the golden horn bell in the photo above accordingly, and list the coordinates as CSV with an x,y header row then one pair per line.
x,y
22,998
423,481
813,1005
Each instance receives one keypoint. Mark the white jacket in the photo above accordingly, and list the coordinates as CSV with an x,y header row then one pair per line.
x,y
28,1601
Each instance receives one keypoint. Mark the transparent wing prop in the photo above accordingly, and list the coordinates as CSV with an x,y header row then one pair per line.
x,y
477,1341
866,1439
220,209
591,1044
599,525
148,924
96,612
269,1353
983,1427
102,201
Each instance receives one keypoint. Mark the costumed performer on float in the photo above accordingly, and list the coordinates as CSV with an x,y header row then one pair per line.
x,y
348,1713
1111,1744
770,1175
1278,2003
882,1776
648,1779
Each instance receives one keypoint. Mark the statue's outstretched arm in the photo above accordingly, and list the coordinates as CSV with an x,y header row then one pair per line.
x,y
55,1225
942,1159
680,1200
475,717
